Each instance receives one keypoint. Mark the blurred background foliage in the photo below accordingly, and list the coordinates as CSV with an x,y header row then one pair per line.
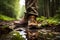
x,y
48,8
11,9
48,21
14,9
49,11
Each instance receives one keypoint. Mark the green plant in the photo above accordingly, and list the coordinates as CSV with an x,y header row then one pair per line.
x,y
11,9
16,36
52,21
12,35
42,18
49,21
6,18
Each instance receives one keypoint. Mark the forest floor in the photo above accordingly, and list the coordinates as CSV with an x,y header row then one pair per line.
x,y
44,33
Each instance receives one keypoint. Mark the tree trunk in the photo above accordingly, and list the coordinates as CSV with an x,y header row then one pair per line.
x,y
52,8
46,8
31,7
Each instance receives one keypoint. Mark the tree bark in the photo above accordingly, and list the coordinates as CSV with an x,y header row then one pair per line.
x,y
52,8
31,6
46,8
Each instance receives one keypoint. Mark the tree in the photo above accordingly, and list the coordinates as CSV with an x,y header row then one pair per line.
x,y
31,6
10,9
